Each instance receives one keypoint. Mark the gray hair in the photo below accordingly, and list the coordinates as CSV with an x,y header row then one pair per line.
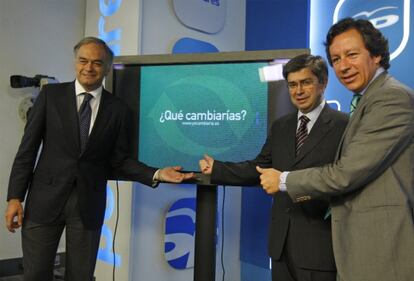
x,y
97,41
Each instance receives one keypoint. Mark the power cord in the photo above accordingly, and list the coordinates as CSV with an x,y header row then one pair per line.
x,y
115,229
222,233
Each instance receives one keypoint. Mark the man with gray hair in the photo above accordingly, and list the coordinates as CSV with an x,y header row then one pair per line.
x,y
82,131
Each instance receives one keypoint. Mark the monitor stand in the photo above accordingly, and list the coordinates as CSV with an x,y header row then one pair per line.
x,y
205,234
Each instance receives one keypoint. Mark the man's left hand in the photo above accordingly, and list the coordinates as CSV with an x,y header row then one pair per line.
x,y
269,179
173,174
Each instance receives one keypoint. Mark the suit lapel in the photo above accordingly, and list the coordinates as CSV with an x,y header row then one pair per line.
x,y
357,115
66,102
290,144
371,90
102,118
322,126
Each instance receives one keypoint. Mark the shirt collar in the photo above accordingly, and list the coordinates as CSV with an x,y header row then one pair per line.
x,y
313,115
80,90
377,73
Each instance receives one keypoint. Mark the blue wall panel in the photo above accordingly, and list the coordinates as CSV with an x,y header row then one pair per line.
x,y
270,24
277,24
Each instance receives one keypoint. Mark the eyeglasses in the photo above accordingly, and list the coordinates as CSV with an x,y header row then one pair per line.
x,y
304,84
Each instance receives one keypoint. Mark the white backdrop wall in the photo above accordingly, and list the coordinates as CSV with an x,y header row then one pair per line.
x,y
149,262
162,26
37,37
118,20
104,266
152,27
118,23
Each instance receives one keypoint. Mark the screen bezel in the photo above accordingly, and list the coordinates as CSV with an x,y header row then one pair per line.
x,y
133,102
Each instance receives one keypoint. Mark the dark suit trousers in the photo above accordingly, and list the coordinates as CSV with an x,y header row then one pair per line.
x,y
287,269
40,242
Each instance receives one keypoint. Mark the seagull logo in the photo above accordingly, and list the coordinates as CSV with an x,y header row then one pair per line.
x,y
392,17
380,22
179,233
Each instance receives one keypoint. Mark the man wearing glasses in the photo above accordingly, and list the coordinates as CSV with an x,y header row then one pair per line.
x,y
371,181
300,243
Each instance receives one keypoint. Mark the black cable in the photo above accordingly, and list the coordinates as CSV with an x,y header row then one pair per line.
x,y
222,233
115,229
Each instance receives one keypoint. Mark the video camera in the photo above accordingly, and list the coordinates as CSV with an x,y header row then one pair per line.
x,y
20,81
38,81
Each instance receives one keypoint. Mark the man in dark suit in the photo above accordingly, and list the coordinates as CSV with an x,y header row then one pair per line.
x,y
371,181
300,238
82,131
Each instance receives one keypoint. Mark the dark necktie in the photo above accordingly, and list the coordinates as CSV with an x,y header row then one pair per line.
x,y
302,133
354,103
85,113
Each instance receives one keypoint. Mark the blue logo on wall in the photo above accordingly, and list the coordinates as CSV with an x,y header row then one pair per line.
x,y
179,233
190,45
392,17
112,37
106,254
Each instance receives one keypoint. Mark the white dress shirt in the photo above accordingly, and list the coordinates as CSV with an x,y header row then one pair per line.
x,y
94,102
313,116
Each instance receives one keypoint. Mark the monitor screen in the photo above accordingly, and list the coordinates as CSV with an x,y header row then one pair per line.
x,y
185,108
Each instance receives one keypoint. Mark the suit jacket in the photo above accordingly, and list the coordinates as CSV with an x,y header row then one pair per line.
x,y
303,223
372,180
53,125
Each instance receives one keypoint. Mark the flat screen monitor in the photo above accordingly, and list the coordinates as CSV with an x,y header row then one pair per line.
x,y
185,106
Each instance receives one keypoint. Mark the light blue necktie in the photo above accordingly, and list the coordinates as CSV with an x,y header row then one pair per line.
x,y
354,103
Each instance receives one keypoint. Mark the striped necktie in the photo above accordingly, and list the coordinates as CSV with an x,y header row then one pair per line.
x,y
85,113
302,133
354,103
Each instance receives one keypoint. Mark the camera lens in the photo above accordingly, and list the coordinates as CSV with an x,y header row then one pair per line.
x,y
19,81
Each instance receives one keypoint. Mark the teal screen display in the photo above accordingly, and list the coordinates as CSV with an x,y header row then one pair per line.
x,y
188,110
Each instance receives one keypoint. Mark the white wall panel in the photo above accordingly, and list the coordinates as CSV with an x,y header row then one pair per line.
x,y
37,37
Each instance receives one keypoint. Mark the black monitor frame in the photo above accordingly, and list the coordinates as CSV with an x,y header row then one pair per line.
x,y
275,109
